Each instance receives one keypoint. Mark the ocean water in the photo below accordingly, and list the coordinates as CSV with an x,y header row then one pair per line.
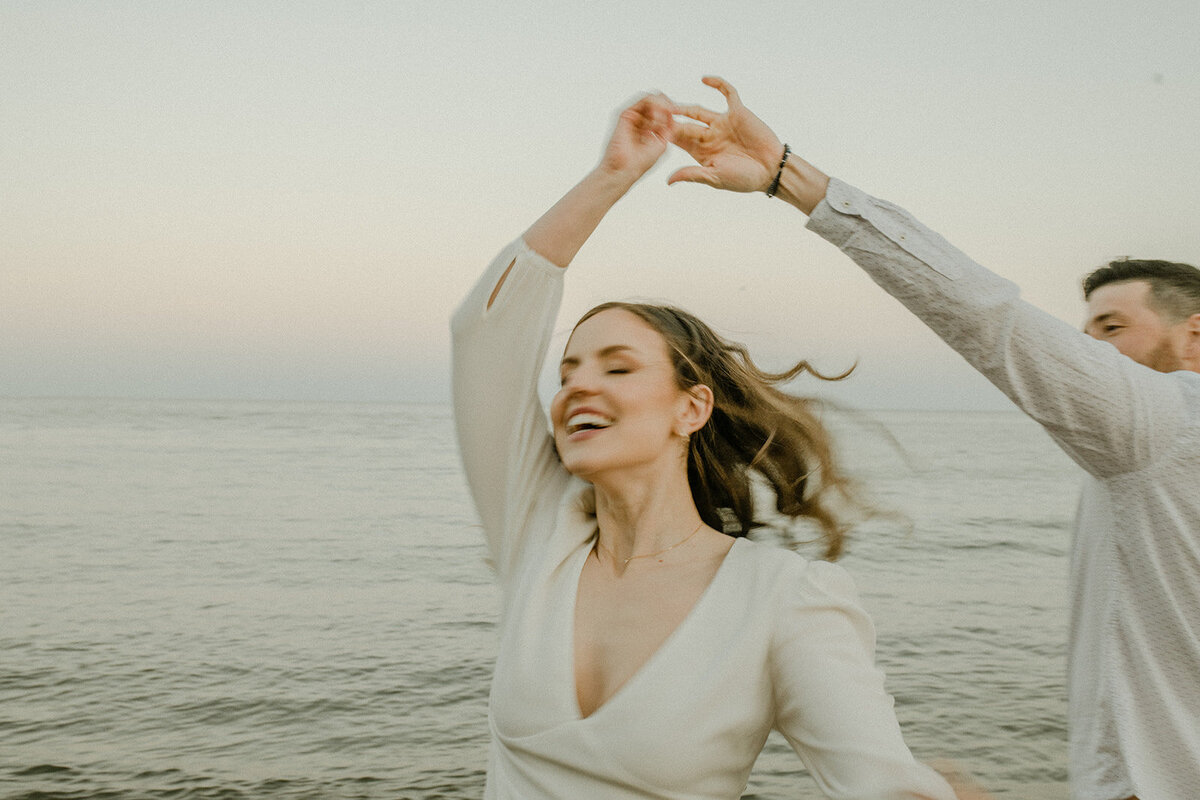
x,y
272,600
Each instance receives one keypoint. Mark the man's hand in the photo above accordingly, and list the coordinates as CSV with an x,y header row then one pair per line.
x,y
734,150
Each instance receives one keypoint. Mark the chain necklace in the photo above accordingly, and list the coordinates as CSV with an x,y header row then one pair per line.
x,y
615,557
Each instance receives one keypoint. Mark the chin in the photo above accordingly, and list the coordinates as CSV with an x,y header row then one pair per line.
x,y
588,467
581,459
581,468
572,464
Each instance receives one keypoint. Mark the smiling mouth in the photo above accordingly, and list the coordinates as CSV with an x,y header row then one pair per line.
x,y
586,421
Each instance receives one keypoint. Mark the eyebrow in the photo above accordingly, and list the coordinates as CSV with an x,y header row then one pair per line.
x,y
572,361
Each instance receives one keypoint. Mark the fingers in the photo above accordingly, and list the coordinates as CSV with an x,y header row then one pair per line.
x,y
651,113
654,104
688,136
692,139
965,787
724,87
693,175
698,113
702,114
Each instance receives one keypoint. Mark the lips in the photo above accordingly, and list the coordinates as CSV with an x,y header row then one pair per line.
x,y
585,420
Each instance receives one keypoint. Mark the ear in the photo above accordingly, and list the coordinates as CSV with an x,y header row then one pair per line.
x,y
697,408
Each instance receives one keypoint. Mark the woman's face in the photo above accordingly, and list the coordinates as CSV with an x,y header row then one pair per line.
x,y
620,407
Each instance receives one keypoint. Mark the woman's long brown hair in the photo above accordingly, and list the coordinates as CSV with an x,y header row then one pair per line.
x,y
754,428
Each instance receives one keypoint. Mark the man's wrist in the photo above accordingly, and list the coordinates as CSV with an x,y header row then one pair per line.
x,y
801,184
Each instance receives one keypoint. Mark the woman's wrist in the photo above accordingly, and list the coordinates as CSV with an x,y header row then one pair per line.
x,y
612,183
801,184
559,233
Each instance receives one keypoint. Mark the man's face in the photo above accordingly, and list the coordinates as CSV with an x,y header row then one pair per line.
x,y
1121,314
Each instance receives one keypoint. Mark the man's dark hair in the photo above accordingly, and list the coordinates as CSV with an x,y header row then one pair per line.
x,y
1174,287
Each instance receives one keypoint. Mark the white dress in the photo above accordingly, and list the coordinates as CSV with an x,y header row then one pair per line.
x,y
775,641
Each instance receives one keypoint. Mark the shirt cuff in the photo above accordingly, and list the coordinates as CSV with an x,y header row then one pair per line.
x,y
841,213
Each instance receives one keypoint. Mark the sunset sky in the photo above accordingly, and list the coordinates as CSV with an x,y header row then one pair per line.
x,y
286,200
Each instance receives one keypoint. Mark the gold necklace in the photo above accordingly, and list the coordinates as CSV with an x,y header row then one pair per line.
x,y
615,557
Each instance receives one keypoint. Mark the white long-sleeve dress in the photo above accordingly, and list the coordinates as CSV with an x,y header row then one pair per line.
x,y
776,641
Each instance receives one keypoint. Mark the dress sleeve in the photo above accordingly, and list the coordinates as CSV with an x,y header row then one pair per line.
x,y
830,702
503,436
1109,413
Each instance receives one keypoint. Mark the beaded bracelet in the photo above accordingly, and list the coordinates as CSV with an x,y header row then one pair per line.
x,y
774,187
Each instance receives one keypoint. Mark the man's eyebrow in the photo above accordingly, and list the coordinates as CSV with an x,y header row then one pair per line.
x,y
572,361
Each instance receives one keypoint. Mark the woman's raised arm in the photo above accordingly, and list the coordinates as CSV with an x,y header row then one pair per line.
x,y
502,329
639,139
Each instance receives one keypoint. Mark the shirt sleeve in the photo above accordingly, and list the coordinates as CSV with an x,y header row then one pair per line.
x,y
830,702
1109,413
497,354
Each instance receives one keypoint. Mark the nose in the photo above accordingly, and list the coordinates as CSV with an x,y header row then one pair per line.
x,y
577,385
580,382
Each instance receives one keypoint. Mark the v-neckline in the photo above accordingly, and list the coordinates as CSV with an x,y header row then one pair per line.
x,y
653,657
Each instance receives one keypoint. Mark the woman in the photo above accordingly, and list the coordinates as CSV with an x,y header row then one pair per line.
x,y
645,652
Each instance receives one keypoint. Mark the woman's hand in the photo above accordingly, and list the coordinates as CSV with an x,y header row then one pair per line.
x,y
735,150
965,787
640,138
638,141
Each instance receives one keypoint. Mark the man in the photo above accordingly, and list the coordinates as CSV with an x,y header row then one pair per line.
x,y
1128,413
1147,310
1130,416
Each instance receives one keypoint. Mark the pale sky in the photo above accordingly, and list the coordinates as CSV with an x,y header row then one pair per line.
x,y
286,200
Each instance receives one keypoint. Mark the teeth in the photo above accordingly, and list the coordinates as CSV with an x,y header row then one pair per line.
x,y
586,419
